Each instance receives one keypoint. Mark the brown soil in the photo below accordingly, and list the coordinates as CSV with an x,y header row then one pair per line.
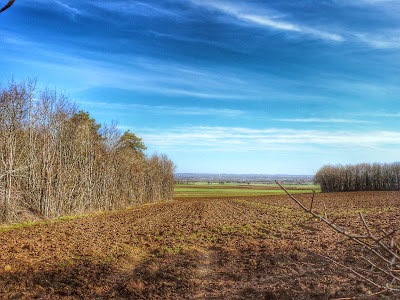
x,y
195,249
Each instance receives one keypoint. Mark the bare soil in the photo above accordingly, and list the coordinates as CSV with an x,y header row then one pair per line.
x,y
242,248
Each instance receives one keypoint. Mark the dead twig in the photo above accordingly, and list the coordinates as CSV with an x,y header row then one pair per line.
x,y
380,253
7,5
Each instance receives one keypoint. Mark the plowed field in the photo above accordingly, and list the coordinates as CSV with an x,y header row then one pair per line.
x,y
244,248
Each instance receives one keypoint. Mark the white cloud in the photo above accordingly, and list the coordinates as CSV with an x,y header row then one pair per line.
x,y
381,114
260,17
324,35
363,2
166,109
321,120
62,5
68,8
389,115
150,74
232,139
133,8
380,41
265,20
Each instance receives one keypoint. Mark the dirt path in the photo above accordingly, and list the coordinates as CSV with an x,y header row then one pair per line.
x,y
189,249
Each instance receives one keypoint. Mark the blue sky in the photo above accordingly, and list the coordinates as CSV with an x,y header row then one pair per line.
x,y
223,86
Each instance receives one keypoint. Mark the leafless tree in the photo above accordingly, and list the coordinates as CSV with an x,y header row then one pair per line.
x,y
361,177
56,161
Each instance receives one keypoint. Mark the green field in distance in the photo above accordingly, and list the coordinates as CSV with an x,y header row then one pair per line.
x,y
203,189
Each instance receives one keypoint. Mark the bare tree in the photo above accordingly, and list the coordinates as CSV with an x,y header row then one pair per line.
x,y
361,177
14,106
56,161
380,252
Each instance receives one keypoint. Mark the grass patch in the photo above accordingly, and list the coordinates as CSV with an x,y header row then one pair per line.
x,y
213,192
19,225
29,224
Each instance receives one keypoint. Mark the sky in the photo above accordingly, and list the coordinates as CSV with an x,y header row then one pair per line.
x,y
240,87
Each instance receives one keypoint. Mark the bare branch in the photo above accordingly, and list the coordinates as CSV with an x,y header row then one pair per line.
x,y
7,5
348,268
383,258
365,225
312,200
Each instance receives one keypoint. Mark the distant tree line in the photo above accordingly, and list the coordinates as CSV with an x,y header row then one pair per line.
x,y
57,161
360,177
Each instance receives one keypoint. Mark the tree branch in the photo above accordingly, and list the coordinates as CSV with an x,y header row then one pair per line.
x,y
7,5
387,255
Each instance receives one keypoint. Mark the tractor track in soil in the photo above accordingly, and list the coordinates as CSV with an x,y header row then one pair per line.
x,y
233,248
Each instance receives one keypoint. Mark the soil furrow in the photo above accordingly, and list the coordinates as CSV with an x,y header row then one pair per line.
x,y
193,249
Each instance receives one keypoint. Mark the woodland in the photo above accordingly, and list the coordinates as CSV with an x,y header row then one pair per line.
x,y
57,161
360,177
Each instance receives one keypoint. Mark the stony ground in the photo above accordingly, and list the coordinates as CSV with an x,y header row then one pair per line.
x,y
241,248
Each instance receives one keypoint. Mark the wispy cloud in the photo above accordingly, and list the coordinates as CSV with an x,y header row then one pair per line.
x,y
192,93
58,5
267,21
260,17
245,139
134,8
321,120
364,2
150,74
381,114
389,115
190,39
389,40
166,109
68,8
337,37
380,37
